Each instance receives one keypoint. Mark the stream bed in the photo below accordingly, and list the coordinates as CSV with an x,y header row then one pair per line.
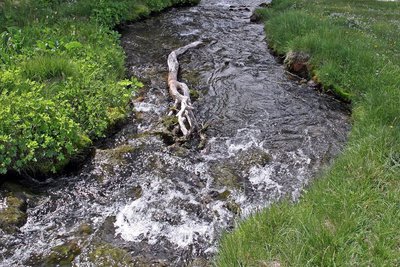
x,y
142,200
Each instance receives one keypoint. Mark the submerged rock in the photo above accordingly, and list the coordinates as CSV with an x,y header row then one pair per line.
x,y
63,254
106,255
13,212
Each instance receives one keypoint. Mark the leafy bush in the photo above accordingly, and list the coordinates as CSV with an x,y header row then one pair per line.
x,y
61,77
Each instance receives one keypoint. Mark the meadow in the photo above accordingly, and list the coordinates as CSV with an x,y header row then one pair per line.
x,y
349,215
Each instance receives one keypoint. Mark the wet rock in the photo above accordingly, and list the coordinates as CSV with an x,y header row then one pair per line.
x,y
107,229
180,151
136,192
313,84
63,254
106,255
144,262
297,63
110,159
85,229
13,213
233,207
253,157
225,175
200,262
255,17
224,195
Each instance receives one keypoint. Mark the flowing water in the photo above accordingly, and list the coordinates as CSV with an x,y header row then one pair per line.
x,y
142,200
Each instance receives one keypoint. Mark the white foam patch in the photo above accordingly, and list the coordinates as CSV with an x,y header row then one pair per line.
x,y
3,204
138,220
147,107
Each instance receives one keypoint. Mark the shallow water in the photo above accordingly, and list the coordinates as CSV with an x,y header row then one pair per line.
x,y
166,204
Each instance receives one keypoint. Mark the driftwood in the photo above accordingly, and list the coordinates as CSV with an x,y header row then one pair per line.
x,y
180,92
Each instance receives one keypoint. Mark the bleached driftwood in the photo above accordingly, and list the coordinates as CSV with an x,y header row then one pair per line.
x,y
180,92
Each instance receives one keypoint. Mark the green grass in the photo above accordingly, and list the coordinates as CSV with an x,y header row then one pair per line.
x,y
62,77
350,216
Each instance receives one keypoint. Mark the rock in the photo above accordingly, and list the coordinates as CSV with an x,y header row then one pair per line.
x,y
137,191
313,84
63,254
13,215
255,17
105,255
200,262
297,63
226,175
85,229
252,157
233,207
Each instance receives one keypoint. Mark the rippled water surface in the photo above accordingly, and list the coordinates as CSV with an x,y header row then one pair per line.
x,y
144,200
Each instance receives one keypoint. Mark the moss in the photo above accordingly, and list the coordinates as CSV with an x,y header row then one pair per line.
x,y
233,207
85,229
170,122
224,195
116,155
106,255
226,175
194,94
253,157
63,254
14,215
200,262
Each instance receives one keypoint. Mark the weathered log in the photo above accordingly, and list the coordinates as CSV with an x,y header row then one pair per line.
x,y
180,92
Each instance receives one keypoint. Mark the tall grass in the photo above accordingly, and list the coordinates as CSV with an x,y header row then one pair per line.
x,y
348,217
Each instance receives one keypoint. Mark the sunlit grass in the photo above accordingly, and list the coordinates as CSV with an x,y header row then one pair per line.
x,y
348,217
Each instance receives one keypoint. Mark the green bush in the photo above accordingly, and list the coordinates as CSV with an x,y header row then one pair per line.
x,y
61,77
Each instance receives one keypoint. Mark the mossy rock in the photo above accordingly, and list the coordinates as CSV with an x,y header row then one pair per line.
x,y
226,175
170,122
200,262
136,192
253,157
13,215
107,255
117,155
194,95
85,229
233,207
63,254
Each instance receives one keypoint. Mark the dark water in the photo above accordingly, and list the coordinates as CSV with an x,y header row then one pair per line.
x,y
166,205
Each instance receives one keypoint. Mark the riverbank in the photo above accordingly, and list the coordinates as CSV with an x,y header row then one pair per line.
x,y
62,78
350,215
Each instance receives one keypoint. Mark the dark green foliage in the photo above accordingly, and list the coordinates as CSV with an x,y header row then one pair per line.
x,y
61,77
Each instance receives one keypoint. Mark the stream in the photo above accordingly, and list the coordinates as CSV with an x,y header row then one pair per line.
x,y
142,200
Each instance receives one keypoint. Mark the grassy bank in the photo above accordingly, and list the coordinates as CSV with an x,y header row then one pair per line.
x,y
62,77
350,216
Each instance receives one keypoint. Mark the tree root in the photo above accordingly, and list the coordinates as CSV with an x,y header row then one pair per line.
x,y
180,92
